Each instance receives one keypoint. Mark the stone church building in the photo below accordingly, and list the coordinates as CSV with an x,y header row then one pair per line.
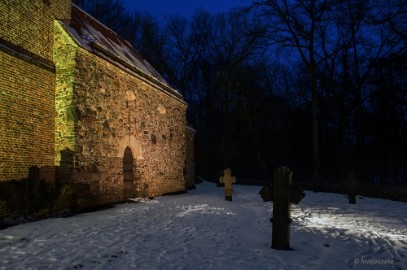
x,y
80,103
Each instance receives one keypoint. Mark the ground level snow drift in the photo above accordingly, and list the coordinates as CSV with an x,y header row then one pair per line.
x,y
200,230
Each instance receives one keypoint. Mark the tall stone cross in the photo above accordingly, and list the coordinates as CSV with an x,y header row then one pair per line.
x,y
282,193
228,180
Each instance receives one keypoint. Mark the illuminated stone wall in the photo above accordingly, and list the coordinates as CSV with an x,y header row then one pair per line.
x,y
113,109
65,60
27,84
190,158
61,105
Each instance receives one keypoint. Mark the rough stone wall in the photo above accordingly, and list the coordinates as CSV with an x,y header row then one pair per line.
x,y
190,158
115,110
65,123
30,23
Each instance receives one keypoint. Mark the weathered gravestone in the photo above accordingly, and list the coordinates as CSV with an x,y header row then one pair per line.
x,y
228,180
282,193
352,184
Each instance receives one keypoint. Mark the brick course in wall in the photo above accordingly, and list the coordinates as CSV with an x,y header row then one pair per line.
x,y
30,23
26,116
27,84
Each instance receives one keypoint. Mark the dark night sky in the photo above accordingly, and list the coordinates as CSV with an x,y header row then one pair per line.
x,y
162,8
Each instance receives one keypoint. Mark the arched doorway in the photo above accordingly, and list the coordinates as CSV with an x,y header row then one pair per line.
x,y
128,173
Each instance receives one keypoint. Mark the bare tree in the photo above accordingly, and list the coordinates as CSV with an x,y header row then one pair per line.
x,y
362,38
298,25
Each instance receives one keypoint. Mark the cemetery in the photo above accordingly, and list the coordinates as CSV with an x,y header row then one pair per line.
x,y
211,159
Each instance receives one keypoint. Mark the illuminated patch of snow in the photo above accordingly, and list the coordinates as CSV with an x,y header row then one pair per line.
x,y
200,230
202,209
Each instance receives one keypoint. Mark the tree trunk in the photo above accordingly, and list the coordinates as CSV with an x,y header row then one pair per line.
x,y
315,129
315,120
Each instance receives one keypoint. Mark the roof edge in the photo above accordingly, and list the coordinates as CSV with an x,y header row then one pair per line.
x,y
100,51
163,86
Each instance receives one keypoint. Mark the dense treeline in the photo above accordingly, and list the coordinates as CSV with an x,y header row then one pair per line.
x,y
317,85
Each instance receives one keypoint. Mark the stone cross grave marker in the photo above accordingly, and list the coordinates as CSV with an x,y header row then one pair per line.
x,y
282,193
228,180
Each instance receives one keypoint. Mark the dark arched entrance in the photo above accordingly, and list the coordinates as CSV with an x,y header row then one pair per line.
x,y
128,173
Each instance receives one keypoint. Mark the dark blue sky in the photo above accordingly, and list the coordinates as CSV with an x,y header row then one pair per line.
x,y
162,8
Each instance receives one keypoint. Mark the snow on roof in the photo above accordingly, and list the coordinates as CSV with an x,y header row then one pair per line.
x,y
93,36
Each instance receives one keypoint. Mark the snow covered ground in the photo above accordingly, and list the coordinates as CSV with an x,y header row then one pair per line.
x,y
200,230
